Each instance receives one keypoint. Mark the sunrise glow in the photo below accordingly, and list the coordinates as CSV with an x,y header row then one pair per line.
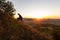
x,y
16,16
37,13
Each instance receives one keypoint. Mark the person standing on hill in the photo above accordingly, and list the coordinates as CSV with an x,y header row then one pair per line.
x,y
20,17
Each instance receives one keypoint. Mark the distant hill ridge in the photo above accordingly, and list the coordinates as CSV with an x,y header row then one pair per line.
x,y
43,21
51,21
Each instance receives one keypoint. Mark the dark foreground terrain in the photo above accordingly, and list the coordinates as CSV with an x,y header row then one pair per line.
x,y
12,29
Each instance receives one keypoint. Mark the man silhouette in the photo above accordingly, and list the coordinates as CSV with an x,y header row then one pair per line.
x,y
20,17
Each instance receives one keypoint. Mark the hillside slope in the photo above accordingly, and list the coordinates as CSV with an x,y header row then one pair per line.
x,y
12,29
49,31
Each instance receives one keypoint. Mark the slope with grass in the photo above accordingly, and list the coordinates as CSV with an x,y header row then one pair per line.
x,y
12,29
49,31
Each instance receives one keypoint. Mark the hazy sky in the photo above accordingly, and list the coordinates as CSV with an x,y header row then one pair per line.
x,y
30,8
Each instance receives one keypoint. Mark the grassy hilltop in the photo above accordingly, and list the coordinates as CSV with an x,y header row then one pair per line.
x,y
12,29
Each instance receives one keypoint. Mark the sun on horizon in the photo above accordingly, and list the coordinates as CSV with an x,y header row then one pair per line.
x,y
38,14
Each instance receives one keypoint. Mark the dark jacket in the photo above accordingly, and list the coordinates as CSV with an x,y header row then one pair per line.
x,y
20,17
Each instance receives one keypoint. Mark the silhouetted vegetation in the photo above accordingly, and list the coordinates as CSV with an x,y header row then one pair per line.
x,y
7,7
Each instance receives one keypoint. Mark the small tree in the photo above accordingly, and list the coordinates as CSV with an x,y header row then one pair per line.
x,y
7,7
